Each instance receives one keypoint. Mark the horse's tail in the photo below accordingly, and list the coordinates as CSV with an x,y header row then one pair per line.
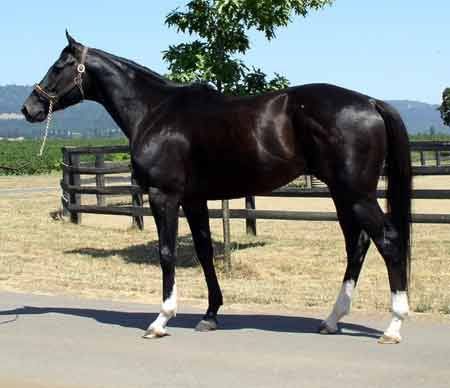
x,y
399,174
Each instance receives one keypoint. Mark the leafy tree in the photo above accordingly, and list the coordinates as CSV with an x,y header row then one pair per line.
x,y
220,28
445,107
255,81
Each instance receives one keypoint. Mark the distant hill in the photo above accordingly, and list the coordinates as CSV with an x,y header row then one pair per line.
x,y
90,118
419,116
86,118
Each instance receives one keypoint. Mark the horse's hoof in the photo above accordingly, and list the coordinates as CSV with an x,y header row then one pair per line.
x,y
207,325
324,328
389,340
154,332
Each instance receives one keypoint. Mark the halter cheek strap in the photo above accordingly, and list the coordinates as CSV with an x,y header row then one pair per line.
x,y
53,98
77,82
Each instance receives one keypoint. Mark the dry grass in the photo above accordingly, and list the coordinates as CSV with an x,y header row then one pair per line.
x,y
290,265
12,182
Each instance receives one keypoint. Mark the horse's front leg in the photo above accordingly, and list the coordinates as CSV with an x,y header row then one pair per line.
x,y
165,211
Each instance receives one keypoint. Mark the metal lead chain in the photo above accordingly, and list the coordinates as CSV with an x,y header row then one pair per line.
x,y
47,126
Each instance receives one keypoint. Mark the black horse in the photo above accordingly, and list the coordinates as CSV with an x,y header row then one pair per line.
x,y
190,144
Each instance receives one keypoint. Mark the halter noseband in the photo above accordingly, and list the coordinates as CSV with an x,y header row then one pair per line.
x,y
77,82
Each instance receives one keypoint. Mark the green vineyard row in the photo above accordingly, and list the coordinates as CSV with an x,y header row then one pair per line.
x,y
21,157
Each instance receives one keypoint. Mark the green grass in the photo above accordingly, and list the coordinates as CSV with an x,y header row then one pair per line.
x,y
423,307
428,137
20,158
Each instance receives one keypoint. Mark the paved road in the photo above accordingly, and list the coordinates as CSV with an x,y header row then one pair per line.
x,y
57,342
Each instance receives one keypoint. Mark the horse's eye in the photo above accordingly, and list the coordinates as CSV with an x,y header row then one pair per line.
x,y
63,63
58,66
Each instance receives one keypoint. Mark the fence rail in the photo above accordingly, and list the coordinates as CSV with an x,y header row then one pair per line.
x,y
74,187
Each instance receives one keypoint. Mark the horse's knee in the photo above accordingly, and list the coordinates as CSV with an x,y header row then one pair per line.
x,y
364,241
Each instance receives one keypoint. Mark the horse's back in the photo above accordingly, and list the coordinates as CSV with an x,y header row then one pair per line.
x,y
233,146
244,146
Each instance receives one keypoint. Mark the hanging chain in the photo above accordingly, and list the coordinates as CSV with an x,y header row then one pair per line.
x,y
47,126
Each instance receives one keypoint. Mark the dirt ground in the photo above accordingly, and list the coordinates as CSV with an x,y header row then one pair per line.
x,y
290,264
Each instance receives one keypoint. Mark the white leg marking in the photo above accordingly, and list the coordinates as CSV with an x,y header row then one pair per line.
x,y
342,305
400,309
168,310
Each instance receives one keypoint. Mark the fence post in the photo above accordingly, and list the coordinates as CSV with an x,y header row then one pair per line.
x,y
100,178
422,158
250,223
438,159
74,180
226,234
66,179
137,201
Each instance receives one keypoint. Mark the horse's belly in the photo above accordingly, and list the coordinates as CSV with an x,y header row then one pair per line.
x,y
239,180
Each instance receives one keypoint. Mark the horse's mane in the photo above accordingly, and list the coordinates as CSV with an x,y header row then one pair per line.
x,y
153,74
138,68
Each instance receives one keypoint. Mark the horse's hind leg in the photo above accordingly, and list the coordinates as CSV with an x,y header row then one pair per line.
x,y
197,215
357,243
386,238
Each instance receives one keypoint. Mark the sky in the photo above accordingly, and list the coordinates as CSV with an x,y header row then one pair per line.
x,y
389,49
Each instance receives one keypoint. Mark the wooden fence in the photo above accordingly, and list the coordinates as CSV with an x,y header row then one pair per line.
x,y
73,187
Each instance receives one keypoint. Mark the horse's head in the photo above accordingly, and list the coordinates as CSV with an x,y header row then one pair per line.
x,y
62,86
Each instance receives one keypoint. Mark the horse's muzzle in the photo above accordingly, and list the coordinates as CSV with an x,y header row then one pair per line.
x,y
33,113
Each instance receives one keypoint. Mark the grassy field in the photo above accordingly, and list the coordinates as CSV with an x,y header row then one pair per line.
x,y
21,157
289,266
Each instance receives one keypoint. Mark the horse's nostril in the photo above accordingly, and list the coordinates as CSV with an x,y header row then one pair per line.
x,y
24,111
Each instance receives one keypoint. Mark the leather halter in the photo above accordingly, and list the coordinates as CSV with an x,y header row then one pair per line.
x,y
77,82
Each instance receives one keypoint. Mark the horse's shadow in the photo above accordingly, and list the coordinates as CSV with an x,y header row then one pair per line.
x,y
148,253
140,320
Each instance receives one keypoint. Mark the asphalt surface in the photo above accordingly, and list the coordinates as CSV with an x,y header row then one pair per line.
x,y
60,342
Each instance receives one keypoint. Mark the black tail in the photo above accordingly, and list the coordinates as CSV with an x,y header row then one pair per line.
x,y
399,174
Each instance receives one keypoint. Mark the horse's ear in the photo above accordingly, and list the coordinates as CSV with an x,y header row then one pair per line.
x,y
72,42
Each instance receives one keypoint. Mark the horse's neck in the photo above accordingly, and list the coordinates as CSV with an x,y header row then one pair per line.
x,y
123,94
